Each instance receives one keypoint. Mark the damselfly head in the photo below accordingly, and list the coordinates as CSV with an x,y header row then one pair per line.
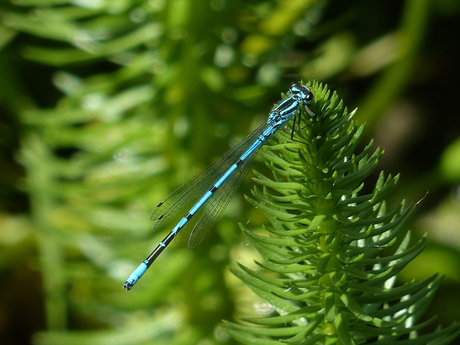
x,y
301,93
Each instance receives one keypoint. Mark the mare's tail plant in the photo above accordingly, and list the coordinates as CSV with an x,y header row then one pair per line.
x,y
331,260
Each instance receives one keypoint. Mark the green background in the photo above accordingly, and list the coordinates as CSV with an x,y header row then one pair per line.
x,y
107,106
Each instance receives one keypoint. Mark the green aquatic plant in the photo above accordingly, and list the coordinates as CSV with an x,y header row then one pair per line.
x,y
334,247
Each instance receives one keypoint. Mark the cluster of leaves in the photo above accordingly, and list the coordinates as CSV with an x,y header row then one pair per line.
x,y
147,88
124,131
331,260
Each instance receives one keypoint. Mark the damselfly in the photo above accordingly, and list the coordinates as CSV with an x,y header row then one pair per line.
x,y
204,197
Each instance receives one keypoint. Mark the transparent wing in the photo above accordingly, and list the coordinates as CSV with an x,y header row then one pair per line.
x,y
179,202
210,212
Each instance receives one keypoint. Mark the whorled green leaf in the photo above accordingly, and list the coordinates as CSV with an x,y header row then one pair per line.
x,y
333,251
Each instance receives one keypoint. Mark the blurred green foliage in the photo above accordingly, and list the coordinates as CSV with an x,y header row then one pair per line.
x,y
107,106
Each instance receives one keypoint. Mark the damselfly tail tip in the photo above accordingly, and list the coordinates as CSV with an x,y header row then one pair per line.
x,y
127,285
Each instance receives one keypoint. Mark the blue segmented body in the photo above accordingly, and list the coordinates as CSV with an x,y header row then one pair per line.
x,y
209,192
